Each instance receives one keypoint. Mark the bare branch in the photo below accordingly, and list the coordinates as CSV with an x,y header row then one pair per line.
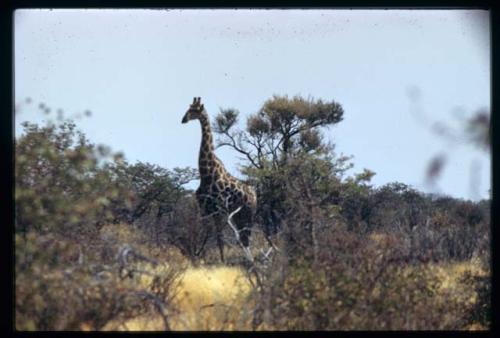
x,y
158,303
236,146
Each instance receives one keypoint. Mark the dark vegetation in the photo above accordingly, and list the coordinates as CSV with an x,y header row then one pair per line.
x,y
89,225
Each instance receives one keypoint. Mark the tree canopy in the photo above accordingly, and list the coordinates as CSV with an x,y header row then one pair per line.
x,y
282,127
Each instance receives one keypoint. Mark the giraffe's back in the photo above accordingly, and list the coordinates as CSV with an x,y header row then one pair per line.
x,y
226,193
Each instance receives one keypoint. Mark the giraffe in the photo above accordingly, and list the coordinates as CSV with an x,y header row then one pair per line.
x,y
221,196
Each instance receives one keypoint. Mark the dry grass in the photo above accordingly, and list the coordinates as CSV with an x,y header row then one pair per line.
x,y
216,298
455,288
212,299
207,298
451,273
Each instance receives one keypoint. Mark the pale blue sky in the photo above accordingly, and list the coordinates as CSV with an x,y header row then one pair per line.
x,y
138,70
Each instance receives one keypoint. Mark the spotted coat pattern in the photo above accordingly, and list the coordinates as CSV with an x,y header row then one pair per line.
x,y
219,193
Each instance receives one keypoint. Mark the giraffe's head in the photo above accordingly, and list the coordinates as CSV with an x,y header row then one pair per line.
x,y
195,110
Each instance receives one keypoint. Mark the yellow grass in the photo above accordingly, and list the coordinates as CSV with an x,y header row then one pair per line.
x,y
216,298
206,299
211,299
451,273
378,237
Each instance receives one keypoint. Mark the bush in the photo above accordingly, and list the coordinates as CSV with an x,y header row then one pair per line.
x,y
362,283
61,184
65,285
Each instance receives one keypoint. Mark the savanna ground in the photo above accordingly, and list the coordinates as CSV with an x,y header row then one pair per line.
x,y
101,244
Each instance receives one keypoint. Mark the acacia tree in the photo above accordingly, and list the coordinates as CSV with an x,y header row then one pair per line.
x,y
281,128
288,158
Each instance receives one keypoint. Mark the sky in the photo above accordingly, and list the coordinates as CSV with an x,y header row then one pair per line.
x,y
397,73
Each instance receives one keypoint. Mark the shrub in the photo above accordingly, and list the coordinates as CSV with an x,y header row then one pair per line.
x,y
59,286
60,182
364,283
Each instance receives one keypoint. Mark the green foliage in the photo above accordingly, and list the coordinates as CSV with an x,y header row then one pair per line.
x,y
305,183
351,256
60,180
226,119
186,230
67,263
64,182
282,127
285,148
293,115
360,283
155,190
63,284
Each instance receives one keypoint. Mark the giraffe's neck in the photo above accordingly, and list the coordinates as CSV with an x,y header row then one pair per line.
x,y
207,160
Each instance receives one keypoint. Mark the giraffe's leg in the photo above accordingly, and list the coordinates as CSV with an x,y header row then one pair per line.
x,y
245,234
220,244
218,233
244,222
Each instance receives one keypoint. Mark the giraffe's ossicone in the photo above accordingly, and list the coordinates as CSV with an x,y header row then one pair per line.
x,y
220,194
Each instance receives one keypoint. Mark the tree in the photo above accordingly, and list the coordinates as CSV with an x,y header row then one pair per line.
x,y
155,189
281,128
288,159
61,180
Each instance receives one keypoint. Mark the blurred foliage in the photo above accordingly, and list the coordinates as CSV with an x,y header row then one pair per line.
x,y
476,131
61,183
479,129
63,284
